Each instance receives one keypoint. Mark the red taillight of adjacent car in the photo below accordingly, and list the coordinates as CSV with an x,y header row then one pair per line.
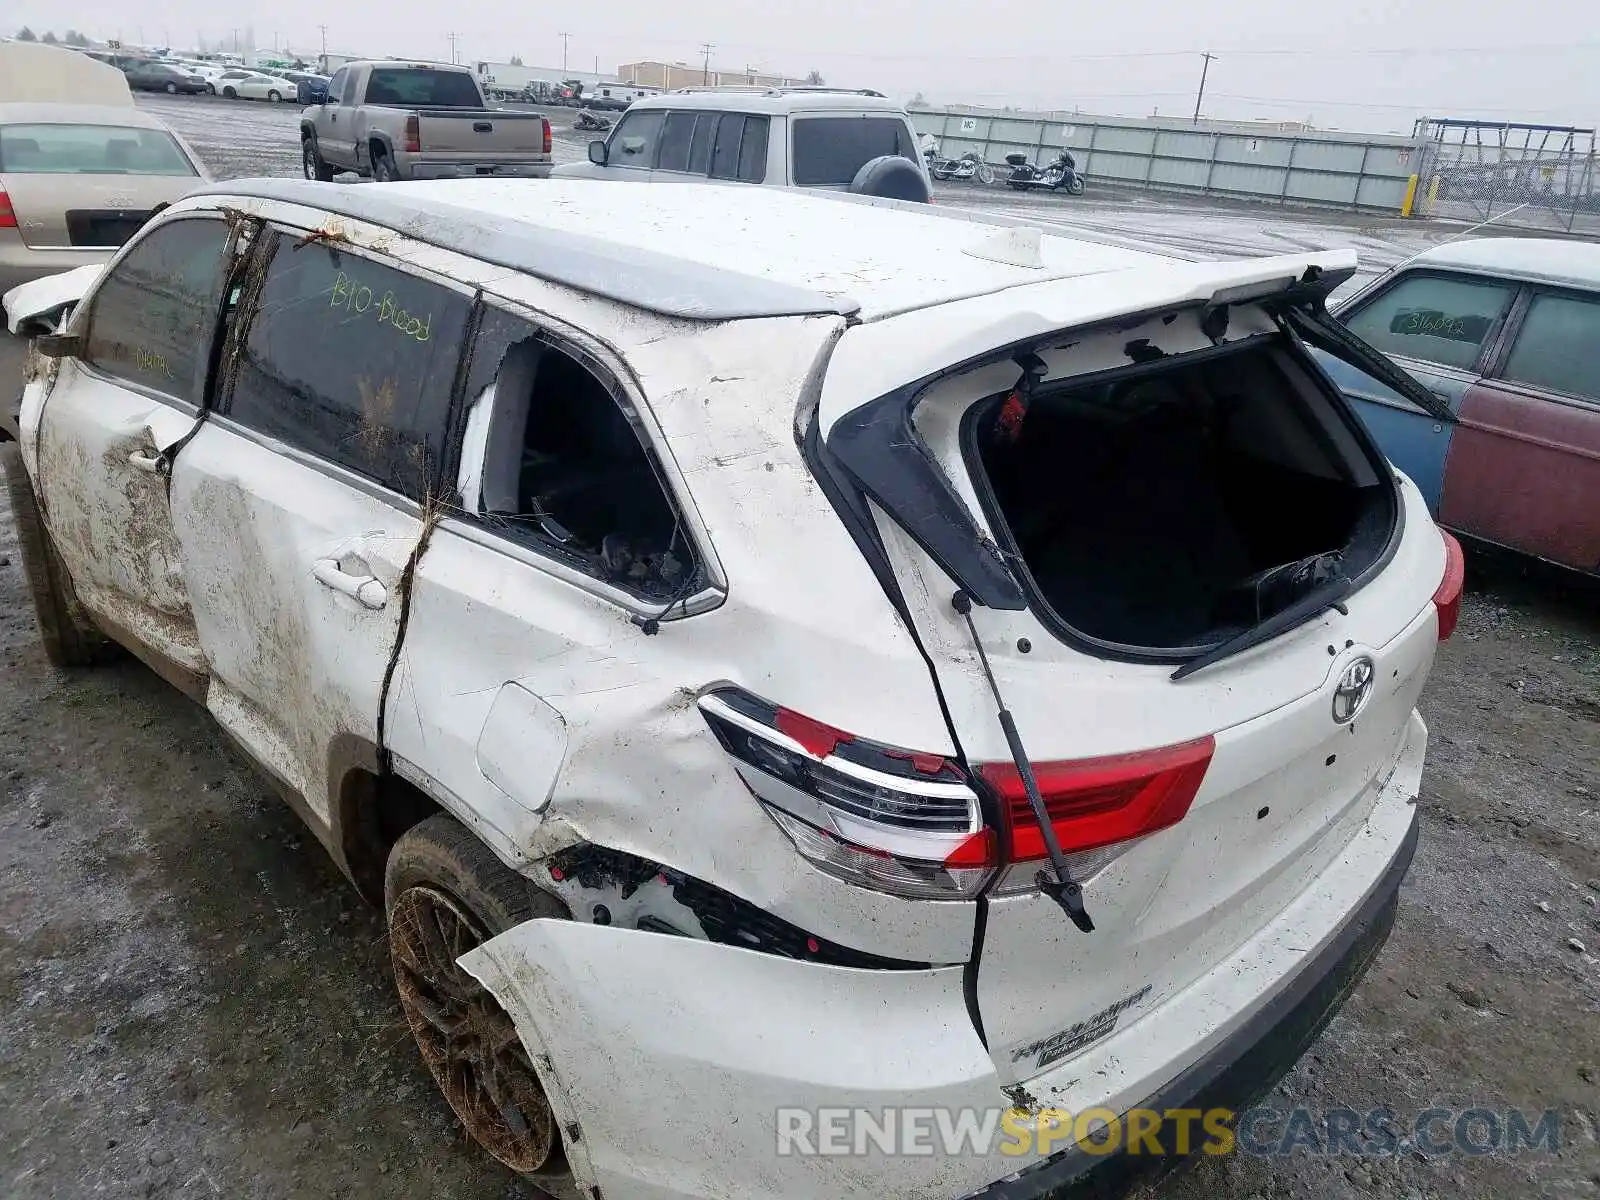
x,y
8,215
1447,600
413,134
547,137
1098,802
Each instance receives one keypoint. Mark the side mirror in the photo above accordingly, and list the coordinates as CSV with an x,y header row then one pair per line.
x,y
58,345
597,153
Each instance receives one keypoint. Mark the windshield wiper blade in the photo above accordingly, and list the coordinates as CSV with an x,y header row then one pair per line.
x,y
1313,603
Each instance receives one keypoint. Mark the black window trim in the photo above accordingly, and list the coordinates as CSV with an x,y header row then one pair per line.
x,y
1495,366
85,313
221,397
1491,340
625,391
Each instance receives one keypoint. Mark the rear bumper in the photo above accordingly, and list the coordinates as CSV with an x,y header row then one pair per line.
x,y
1245,1067
468,170
682,1063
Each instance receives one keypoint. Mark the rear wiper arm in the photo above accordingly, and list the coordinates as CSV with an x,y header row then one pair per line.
x,y
1313,603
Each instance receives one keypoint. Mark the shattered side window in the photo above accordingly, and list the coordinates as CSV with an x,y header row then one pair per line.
x,y
555,459
151,317
347,359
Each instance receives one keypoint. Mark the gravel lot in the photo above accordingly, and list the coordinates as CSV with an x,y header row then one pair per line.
x,y
193,1002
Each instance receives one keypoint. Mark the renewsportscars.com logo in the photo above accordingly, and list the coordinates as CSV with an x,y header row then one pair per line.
x,y
1258,1132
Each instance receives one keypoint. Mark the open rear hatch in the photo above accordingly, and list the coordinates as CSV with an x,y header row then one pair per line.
x,y
1173,541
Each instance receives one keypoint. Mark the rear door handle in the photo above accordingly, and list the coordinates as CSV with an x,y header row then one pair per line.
x,y
482,127
153,463
368,590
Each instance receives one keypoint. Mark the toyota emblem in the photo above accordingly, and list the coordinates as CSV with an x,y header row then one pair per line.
x,y
1354,690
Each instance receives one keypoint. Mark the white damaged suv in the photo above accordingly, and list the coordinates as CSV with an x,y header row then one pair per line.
x,y
771,653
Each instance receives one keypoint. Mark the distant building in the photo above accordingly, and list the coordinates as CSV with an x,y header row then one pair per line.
x,y
670,76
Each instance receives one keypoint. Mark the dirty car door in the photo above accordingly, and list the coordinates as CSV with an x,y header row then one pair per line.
x,y
133,392
299,503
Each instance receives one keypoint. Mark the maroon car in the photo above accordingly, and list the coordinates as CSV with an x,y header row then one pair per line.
x,y
1505,332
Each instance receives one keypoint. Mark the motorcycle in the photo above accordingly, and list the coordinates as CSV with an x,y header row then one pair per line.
x,y
591,120
1060,175
966,168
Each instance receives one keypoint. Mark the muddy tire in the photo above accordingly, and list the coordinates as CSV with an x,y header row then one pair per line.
x,y
275,97
69,640
383,169
445,893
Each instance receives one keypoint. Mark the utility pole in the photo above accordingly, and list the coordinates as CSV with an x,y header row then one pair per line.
x,y
1205,67
324,31
453,38
565,38
706,48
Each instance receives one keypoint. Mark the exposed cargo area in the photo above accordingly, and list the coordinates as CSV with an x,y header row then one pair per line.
x,y
1178,506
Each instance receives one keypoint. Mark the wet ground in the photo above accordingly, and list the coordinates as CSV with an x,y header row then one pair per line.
x,y
193,1003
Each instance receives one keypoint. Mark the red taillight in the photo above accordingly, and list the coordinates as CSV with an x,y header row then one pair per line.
x,y
1096,802
1448,598
8,215
413,134
547,137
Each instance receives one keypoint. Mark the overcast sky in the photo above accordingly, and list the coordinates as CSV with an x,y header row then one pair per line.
x,y
1362,64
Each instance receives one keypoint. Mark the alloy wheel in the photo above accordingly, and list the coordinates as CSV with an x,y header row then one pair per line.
x,y
466,1039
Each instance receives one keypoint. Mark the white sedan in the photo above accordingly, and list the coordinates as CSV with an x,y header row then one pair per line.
x,y
254,85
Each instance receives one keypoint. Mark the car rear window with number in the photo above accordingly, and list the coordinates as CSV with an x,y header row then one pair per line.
x,y
150,321
1556,347
350,360
1434,318
828,151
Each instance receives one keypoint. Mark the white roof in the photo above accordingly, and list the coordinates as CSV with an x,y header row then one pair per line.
x,y
1545,260
881,258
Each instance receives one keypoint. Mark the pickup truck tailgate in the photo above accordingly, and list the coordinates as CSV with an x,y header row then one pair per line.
x,y
475,136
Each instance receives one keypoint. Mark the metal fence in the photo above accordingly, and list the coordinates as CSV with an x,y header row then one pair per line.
x,y
1348,171
1531,176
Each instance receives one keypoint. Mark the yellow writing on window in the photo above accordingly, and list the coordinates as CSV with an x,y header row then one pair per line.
x,y
356,297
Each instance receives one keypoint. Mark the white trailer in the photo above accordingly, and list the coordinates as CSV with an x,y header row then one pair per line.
x,y
508,79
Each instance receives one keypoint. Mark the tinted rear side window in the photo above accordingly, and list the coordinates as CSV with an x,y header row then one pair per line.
x,y
830,150
423,88
151,319
740,149
351,361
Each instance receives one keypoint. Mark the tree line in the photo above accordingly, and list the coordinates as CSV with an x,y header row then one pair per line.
x,y
71,38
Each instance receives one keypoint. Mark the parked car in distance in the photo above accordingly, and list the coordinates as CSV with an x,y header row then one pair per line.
x,y
780,137
602,573
311,88
238,84
163,77
77,180
210,73
1505,334
395,120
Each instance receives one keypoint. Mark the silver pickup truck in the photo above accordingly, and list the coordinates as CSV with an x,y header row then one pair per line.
x,y
398,120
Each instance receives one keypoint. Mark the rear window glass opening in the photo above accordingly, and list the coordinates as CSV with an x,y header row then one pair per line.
x,y
1163,510
828,151
51,149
